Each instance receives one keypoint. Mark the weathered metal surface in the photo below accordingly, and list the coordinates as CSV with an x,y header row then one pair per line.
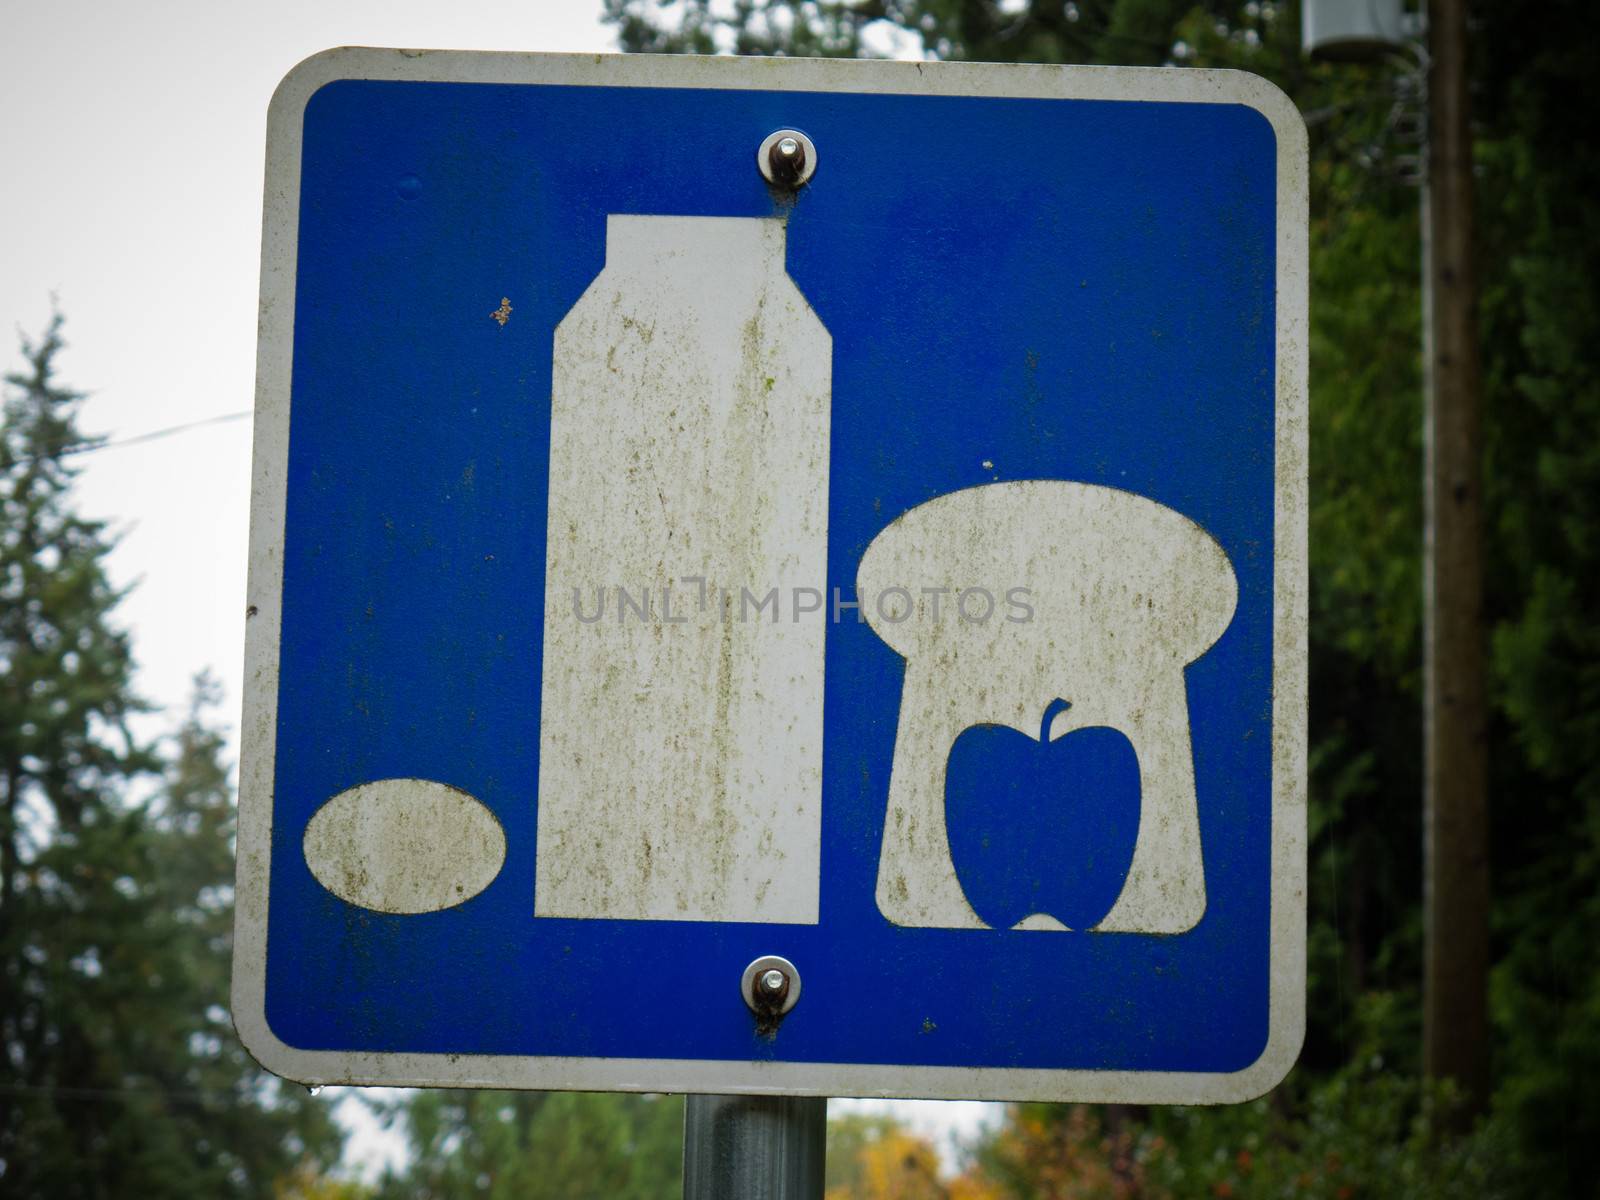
x,y
680,754
404,846
1079,375
1112,597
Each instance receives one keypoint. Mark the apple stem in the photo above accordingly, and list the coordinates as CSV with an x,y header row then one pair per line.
x,y
1051,711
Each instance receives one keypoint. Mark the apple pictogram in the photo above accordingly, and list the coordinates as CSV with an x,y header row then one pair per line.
x,y
1042,827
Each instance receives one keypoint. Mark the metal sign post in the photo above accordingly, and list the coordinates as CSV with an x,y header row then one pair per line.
x,y
744,604
754,1147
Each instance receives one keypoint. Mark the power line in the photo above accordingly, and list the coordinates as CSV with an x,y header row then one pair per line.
x,y
91,447
68,1092
139,438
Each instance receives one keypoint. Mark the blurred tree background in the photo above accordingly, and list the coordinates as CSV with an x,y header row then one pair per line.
x,y
537,1146
121,1076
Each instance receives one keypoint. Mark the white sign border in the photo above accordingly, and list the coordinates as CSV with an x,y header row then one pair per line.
x,y
1286,999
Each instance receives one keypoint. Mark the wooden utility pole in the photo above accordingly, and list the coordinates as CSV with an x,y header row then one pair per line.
x,y
1456,802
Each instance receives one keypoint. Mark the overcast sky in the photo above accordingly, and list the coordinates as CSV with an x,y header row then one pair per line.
x,y
131,149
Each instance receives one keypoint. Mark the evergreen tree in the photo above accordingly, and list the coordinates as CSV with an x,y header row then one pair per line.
x,y
1541,232
65,755
120,1075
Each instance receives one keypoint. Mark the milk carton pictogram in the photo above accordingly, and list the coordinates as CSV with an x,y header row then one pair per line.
x,y
688,467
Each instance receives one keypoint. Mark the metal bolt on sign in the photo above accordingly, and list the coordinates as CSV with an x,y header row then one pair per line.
x,y
770,987
787,158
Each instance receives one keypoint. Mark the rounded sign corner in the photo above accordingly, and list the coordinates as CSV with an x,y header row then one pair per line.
x,y
307,77
1277,1059
271,1053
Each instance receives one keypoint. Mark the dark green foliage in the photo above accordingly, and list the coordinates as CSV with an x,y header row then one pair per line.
x,y
539,1146
1541,236
121,1075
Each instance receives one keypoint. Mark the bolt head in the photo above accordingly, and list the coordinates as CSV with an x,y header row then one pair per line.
x,y
772,982
787,158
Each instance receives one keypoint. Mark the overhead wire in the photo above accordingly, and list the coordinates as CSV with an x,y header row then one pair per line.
x,y
139,438
91,446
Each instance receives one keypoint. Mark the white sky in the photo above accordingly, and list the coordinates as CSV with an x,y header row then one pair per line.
x,y
131,149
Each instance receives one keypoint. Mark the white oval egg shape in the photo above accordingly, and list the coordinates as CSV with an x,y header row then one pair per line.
x,y
404,846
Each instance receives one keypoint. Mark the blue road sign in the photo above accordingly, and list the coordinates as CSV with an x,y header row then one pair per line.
x,y
778,576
